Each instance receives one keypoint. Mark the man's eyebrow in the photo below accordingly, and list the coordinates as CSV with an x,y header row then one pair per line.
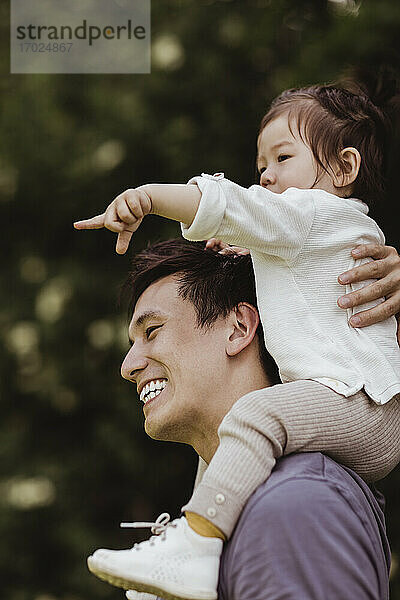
x,y
146,316
142,319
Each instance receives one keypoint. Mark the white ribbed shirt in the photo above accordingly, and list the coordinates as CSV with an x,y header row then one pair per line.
x,y
299,242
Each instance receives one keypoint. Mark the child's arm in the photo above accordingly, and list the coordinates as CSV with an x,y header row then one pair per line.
x,y
126,212
253,218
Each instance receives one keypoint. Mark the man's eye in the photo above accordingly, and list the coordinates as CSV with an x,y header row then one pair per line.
x,y
150,330
283,157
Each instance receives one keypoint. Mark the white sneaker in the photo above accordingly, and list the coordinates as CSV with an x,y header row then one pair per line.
x,y
132,595
177,563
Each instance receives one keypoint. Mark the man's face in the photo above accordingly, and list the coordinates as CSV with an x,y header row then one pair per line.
x,y
174,363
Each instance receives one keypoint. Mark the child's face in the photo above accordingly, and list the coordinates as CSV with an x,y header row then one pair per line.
x,y
285,161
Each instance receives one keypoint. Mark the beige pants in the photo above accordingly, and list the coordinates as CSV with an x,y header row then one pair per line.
x,y
301,416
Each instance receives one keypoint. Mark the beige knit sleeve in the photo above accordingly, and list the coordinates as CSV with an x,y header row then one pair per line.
x,y
201,469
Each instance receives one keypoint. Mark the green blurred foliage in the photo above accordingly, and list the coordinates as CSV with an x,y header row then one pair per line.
x,y
74,460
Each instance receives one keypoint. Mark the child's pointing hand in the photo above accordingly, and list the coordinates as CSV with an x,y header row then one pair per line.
x,y
122,216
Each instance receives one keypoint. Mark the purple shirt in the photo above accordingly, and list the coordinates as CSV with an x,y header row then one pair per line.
x,y
313,531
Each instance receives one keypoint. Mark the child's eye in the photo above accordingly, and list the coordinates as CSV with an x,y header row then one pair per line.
x,y
150,330
283,157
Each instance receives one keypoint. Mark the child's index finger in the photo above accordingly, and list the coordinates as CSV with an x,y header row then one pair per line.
x,y
96,222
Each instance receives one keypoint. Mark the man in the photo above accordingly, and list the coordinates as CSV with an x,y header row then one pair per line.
x,y
314,529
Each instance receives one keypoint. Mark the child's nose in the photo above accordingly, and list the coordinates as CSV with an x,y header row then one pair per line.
x,y
267,177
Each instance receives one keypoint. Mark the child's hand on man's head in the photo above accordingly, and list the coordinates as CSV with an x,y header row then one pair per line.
x,y
222,248
235,250
215,244
122,216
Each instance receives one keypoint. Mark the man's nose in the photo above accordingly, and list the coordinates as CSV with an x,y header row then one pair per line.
x,y
268,177
134,362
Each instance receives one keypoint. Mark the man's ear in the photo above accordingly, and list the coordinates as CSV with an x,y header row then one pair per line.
x,y
243,322
349,168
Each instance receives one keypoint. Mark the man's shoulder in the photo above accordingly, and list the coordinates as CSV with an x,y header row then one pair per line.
x,y
310,514
303,481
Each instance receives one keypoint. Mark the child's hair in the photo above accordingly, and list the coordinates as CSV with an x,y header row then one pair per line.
x,y
330,118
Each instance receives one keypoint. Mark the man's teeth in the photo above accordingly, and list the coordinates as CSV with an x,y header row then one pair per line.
x,y
152,389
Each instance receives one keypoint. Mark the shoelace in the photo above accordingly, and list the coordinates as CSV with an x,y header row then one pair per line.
x,y
159,525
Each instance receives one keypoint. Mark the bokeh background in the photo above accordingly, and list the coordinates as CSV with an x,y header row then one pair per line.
x,y
74,460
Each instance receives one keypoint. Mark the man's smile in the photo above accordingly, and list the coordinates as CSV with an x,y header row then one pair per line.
x,y
153,388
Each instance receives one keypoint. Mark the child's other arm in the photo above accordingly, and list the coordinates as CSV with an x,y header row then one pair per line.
x,y
126,212
222,248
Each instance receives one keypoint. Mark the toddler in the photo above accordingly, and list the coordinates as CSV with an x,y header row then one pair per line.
x,y
321,161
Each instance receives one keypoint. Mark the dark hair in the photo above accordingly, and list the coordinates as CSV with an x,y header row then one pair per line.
x,y
330,118
214,283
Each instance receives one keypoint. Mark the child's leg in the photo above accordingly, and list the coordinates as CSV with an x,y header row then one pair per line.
x,y
301,416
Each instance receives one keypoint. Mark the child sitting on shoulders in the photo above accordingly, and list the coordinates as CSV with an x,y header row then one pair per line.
x,y
321,162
